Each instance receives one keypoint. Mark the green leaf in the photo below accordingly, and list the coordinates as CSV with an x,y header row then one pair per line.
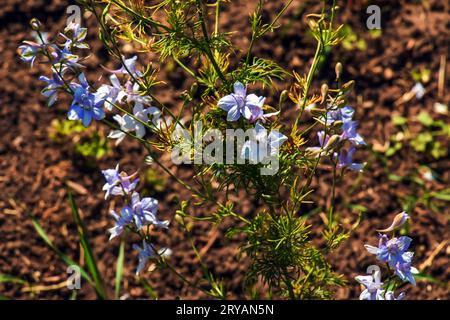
x,y
61,255
11,279
88,254
425,118
119,269
150,291
399,120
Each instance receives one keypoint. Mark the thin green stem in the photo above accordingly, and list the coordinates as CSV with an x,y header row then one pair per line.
x,y
206,48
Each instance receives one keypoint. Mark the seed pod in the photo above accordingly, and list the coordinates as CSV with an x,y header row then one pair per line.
x,y
348,87
324,91
283,97
338,69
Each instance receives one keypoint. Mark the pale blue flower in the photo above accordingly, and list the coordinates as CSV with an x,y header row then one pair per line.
x,y
128,123
341,114
262,144
75,36
29,50
118,183
405,271
144,211
239,103
125,218
53,85
389,295
345,160
128,67
349,132
391,251
373,286
147,253
112,94
64,59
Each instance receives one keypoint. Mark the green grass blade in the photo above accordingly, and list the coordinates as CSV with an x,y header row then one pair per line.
x,y
119,269
61,255
10,279
88,254
150,291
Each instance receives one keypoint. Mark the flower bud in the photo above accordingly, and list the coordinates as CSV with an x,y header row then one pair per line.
x,y
338,69
324,91
399,220
283,97
347,87
35,24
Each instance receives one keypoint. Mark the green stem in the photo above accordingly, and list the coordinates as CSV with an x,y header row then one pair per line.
x,y
207,49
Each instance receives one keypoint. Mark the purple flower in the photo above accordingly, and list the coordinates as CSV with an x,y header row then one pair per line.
x,y
238,103
372,286
122,221
118,183
405,271
146,253
128,67
29,51
345,160
263,145
64,58
77,36
86,105
112,93
53,85
341,114
349,133
389,295
392,251
144,211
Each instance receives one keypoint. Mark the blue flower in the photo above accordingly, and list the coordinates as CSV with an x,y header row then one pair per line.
x,y
262,145
146,253
86,105
404,270
122,221
51,91
29,51
144,211
128,67
389,295
118,183
341,114
77,36
238,103
392,251
113,93
345,160
349,132
64,58
373,286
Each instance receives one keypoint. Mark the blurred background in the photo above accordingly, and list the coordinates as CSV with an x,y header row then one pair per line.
x,y
401,100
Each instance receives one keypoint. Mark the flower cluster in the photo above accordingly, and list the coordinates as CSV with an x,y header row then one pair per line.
x,y
263,144
137,214
88,103
341,117
393,252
